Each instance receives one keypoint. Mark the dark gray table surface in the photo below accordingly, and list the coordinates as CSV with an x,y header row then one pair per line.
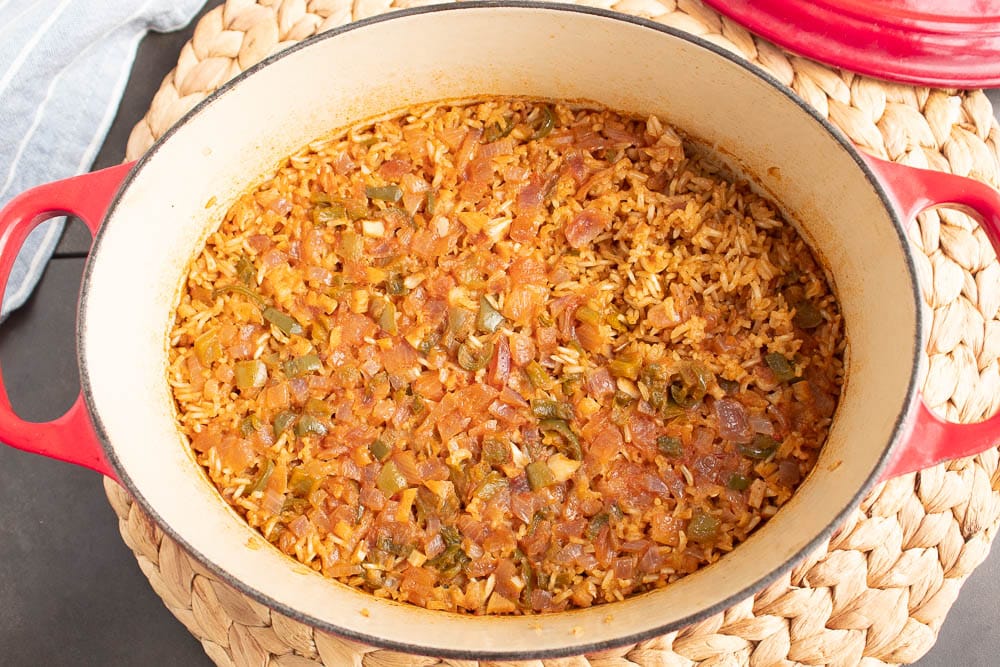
x,y
70,590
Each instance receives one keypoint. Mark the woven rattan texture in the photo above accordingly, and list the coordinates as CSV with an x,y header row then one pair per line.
x,y
880,590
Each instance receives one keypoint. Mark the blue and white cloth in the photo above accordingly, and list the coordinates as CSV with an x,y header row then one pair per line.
x,y
63,69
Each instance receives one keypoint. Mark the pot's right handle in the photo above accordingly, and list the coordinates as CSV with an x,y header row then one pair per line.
x,y
70,437
932,440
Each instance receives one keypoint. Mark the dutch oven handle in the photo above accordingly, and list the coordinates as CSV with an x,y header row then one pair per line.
x,y
930,439
70,437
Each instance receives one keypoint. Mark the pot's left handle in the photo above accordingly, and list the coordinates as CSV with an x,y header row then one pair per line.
x,y
70,437
932,440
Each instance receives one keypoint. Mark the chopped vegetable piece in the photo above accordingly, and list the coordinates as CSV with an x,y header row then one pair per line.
x,y
561,427
245,271
286,323
545,125
729,386
242,290
250,374
391,193
539,475
450,562
597,522
622,400
493,482
390,480
302,483
319,407
474,359
807,315
495,131
309,425
496,452
394,285
546,409
738,482
283,421
431,202
207,348
780,366
703,527
537,375
380,449
387,318
670,446
308,363
690,389
460,322
761,448
248,425
625,366
263,476
489,319
325,215
352,246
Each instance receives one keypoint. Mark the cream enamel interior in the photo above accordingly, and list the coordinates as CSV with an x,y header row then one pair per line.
x,y
164,214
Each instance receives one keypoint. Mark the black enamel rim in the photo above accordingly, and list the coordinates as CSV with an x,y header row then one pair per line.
x,y
576,649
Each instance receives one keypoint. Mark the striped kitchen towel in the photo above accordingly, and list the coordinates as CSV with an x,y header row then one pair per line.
x,y
63,68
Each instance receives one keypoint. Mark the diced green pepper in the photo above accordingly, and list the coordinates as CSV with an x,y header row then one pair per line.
x,y
248,425
473,359
390,193
782,368
670,446
496,131
325,215
283,421
390,480
597,523
545,124
262,477
493,482
537,375
496,452
489,319
308,363
807,315
394,285
301,483
729,386
309,425
561,427
380,449
625,366
544,408
703,527
760,449
285,323
250,374
738,482
539,475
245,270
352,246
208,348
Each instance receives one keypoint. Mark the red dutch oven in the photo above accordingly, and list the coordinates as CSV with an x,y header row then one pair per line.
x,y
150,218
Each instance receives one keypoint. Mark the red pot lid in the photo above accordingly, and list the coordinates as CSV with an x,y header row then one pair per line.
x,y
949,43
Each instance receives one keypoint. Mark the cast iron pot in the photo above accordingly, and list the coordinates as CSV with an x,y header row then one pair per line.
x,y
151,217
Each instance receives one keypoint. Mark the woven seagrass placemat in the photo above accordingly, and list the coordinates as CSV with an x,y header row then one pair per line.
x,y
879,591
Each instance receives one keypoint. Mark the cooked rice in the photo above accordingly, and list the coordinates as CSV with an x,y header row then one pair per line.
x,y
361,396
